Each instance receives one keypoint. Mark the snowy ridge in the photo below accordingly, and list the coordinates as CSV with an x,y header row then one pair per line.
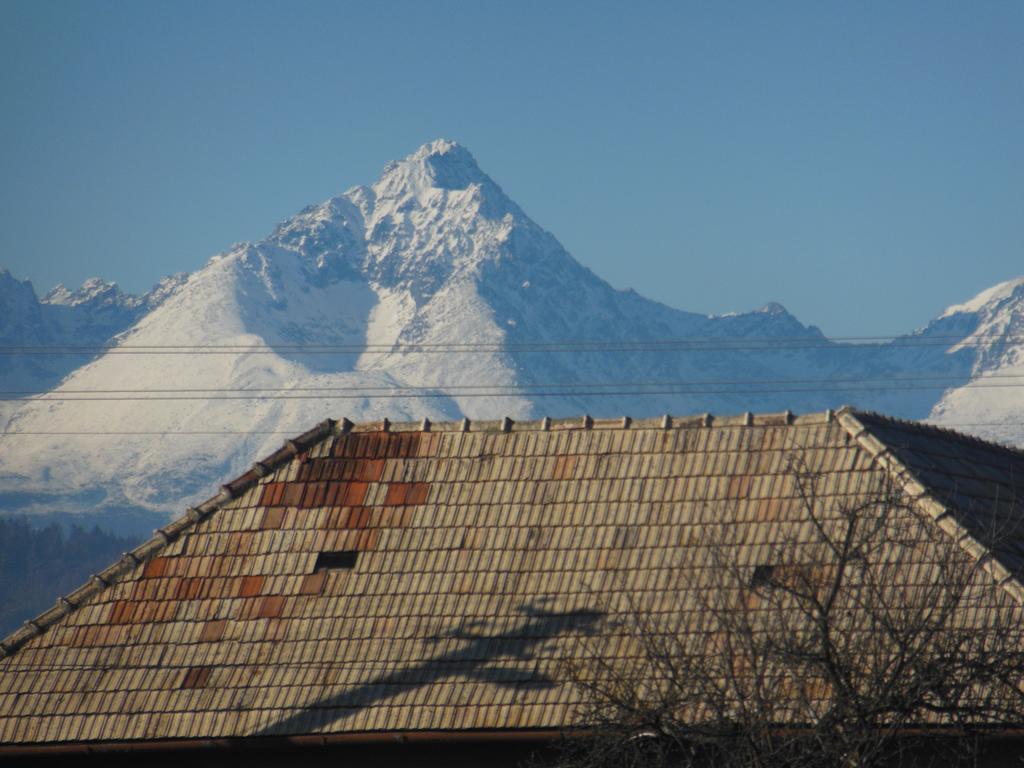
x,y
991,402
432,253
988,298
87,317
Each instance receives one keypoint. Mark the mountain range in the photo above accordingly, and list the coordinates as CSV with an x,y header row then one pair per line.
x,y
428,294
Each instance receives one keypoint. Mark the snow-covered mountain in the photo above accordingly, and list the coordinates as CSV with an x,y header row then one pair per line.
x,y
86,318
408,298
991,403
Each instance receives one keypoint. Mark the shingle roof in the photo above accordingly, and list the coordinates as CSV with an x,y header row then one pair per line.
x,y
479,553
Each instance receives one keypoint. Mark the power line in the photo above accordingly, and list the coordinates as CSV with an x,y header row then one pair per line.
x,y
517,387
526,391
152,433
298,430
857,379
571,341
627,345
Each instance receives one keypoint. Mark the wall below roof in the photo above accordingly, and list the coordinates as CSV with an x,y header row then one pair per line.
x,y
494,752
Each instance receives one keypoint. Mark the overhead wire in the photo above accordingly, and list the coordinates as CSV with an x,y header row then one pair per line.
x,y
520,386
298,430
583,389
445,395
578,390
690,343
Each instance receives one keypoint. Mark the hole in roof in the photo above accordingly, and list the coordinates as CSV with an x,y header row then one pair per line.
x,y
762,575
336,560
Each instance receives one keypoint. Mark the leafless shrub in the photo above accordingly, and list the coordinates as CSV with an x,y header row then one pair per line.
x,y
865,637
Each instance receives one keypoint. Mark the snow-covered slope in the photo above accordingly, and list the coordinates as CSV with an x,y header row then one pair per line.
x,y
991,404
88,317
344,310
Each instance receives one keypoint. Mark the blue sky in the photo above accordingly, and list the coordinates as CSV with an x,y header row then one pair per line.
x,y
862,163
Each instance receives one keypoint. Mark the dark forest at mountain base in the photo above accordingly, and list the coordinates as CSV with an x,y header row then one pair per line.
x,y
39,564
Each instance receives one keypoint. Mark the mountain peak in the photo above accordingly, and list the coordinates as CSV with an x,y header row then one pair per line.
x,y
772,308
90,290
989,297
441,147
439,164
6,278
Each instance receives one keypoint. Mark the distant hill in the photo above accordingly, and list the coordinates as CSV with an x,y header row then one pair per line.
x,y
39,564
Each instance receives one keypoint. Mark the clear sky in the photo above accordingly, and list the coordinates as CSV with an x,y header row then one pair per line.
x,y
862,163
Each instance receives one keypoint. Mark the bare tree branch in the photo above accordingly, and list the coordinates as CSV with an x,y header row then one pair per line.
x,y
867,628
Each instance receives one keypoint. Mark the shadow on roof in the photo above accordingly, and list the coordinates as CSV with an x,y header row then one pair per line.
x,y
473,661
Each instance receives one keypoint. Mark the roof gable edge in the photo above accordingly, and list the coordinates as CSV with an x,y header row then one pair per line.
x,y
931,508
162,537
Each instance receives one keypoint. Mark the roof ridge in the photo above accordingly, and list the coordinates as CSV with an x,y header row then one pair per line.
x,y
939,513
925,426
586,421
